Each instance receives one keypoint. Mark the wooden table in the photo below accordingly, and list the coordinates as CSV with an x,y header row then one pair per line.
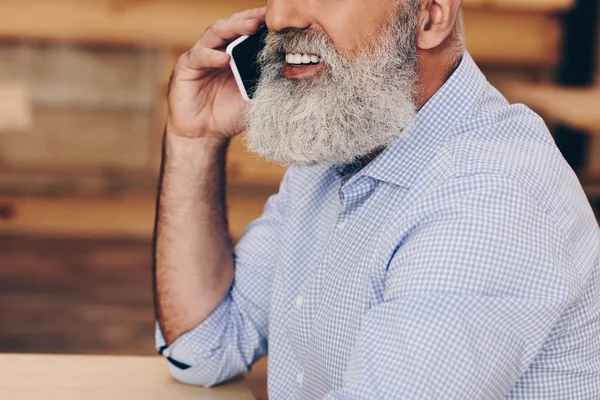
x,y
50,377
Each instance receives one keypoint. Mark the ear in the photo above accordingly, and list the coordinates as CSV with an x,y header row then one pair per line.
x,y
436,22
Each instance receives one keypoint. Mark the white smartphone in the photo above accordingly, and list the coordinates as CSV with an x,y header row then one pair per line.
x,y
244,61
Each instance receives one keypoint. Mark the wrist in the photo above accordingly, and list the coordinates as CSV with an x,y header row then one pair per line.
x,y
210,140
197,148
191,160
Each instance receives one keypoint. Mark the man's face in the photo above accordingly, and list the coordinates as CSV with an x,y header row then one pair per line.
x,y
338,80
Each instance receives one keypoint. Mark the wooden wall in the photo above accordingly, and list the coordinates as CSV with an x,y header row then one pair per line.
x,y
95,74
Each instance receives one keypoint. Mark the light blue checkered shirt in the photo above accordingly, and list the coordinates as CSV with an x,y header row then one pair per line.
x,y
462,263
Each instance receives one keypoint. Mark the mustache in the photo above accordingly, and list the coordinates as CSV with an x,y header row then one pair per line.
x,y
297,41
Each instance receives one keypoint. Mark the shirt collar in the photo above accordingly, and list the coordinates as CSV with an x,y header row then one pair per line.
x,y
402,162
345,172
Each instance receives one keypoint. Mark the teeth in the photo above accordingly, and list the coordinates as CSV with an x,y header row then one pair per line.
x,y
300,58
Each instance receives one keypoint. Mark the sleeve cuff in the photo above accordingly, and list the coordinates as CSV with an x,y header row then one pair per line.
x,y
198,344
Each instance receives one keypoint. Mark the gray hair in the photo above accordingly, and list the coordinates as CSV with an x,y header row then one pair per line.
x,y
458,40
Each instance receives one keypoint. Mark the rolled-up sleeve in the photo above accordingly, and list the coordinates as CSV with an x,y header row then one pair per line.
x,y
471,297
235,335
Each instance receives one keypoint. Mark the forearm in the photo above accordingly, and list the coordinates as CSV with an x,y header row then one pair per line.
x,y
193,252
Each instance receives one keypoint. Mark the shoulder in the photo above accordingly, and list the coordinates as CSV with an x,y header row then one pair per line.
x,y
511,144
507,176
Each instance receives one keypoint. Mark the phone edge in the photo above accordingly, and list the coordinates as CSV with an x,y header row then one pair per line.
x,y
234,68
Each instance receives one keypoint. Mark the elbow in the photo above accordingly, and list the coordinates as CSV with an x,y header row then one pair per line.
x,y
199,375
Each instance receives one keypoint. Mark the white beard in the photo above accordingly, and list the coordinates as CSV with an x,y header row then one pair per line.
x,y
354,109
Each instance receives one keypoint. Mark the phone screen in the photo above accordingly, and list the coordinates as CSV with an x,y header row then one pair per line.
x,y
245,56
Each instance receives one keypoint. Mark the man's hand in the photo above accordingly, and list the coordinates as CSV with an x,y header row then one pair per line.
x,y
204,100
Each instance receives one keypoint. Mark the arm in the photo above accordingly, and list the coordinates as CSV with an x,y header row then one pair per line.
x,y
471,297
235,334
194,261
193,253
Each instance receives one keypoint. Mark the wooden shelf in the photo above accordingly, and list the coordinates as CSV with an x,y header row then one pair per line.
x,y
176,23
576,107
179,23
126,217
525,5
513,38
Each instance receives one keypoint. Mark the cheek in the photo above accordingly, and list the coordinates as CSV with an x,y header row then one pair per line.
x,y
351,25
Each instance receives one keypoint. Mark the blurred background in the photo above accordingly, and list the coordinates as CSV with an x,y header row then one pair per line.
x,y
82,109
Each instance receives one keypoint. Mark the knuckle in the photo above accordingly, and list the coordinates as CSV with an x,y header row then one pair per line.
x,y
242,14
218,25
210,29
183,58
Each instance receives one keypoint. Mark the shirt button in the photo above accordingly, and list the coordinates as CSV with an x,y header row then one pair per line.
x,y
342,224
300,378
299,302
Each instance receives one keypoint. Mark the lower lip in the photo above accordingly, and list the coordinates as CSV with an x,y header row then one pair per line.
x,y
304,71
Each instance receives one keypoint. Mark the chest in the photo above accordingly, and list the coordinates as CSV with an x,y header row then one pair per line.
x,y
331,269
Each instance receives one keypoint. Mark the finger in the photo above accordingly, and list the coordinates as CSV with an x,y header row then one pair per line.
x,y
224,31
203,58
251,13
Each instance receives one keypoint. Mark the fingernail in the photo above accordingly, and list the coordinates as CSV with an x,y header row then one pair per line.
x,y
262,10
222,57
250,21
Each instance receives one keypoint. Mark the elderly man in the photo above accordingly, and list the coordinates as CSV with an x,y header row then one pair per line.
x,y
428,241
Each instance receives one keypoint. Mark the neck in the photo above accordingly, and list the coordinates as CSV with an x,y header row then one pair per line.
x,y
435,67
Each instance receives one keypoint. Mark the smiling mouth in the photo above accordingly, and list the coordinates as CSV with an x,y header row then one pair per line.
x,y
302,66
299,59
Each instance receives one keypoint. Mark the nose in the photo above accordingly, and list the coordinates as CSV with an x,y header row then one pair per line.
x,y
287,14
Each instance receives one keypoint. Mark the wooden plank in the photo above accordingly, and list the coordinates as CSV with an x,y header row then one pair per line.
x,y
510,38
82,77
176,23
530,5
575,107
90,107
515,37
80,139
48,180
15,108
108,217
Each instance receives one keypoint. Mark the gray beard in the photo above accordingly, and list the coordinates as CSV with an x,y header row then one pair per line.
x,y
356,108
